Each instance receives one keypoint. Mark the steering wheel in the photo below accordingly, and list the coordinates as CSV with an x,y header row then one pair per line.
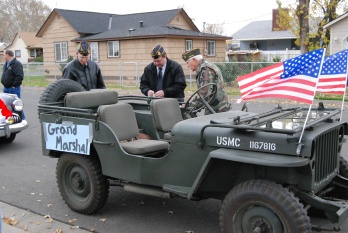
x,y
196,101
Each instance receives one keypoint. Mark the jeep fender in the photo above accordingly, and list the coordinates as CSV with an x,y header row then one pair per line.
x,y
248,157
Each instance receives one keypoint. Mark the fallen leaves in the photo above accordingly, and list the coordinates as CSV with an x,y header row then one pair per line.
x,y
13,222
48,218
72,220
10,221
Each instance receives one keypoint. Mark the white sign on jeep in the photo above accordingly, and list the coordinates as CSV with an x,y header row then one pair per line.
x,y
68,137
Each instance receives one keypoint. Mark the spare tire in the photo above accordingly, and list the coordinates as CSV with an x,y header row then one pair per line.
x,y
56,91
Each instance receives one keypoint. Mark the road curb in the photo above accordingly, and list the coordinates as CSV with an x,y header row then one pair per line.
x,y
28,222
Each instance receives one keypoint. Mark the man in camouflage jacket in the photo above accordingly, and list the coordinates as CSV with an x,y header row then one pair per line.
x,y
208,73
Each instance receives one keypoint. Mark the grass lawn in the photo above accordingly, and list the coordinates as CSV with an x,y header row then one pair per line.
x,y
41,81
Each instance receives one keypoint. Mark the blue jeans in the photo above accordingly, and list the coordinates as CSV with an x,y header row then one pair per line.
x,y
16,91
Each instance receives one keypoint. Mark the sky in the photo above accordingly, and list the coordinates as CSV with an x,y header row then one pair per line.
x,y
232,14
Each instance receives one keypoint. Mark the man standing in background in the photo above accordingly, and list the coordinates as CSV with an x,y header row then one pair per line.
x,y
12,75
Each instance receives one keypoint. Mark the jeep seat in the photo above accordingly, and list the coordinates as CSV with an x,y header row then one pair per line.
x,y
165,113
121,119
90,99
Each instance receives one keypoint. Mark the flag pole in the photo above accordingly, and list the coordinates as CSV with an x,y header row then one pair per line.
x,y
305,123
309,109
345,90
342,106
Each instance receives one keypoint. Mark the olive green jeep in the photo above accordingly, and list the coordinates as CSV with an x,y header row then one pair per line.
x,y
266,169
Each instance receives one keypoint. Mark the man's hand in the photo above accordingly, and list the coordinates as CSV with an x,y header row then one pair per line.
x,y
150,93
159,94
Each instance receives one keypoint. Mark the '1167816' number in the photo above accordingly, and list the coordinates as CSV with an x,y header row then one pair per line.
x,y
262,145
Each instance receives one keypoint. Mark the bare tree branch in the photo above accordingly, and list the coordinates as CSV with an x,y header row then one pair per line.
x,y
21,16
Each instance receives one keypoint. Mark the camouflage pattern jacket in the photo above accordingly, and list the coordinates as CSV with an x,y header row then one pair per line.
x,y
210,73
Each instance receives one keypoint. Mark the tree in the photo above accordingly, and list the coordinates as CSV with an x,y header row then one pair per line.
x,y
304,16
21,16
217,29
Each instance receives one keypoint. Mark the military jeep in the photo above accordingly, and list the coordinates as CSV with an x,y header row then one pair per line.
x,y
268,169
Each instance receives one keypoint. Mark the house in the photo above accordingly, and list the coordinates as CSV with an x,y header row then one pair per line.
x,y
124,40
339,33
263,35
2,48
26,46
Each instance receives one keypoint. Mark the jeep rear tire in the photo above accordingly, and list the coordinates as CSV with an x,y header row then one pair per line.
x,y
81,182
56,91
264,207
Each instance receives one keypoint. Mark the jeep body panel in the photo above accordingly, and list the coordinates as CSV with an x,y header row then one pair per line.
x,y
210,156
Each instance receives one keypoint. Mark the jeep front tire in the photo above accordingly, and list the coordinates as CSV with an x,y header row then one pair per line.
x,y
264,207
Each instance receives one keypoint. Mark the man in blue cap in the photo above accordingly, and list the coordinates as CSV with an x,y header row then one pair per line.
x,y
83,70
163,77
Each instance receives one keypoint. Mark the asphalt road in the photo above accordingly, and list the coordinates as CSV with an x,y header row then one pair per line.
x,y
28,181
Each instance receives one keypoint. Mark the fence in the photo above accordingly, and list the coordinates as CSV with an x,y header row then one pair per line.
x,y
279,55
127,74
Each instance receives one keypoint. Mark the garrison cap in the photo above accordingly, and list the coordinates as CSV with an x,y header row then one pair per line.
x,y
157,51
83,48
191,53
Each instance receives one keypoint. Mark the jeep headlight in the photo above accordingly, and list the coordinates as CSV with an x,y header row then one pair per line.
x,y
17,105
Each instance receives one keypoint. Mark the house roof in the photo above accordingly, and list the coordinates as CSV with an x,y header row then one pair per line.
x,y
86,22
153,31
103,26
261,30
157,18
29,38
336,20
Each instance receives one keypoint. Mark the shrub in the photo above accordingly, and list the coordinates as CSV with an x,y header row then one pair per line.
x,y
70,58
39,59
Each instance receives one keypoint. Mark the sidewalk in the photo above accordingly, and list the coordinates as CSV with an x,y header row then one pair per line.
x,y
27,222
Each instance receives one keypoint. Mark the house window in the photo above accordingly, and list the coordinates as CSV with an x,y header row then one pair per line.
x,y
17,53
32,52
94,51
188,45
61,51
210,48
254,45
39,52
113,48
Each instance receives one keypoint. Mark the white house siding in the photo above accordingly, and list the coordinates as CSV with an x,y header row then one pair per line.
x,y
18,44
339,36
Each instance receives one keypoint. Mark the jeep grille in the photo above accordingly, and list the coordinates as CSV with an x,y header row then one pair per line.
x,y
326,150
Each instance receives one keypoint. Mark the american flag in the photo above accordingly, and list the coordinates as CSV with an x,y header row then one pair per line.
x,y
294,79
333,76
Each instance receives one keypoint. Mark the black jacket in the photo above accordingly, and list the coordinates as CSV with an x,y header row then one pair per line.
x,y
74,70
13,75
174,82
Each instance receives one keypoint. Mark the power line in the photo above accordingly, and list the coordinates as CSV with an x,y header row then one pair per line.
x,y
248,19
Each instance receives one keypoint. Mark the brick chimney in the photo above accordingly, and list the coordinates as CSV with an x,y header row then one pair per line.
x,y
275,17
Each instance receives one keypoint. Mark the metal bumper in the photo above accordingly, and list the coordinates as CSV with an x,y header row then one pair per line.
x,y
18,127
336,211
6,130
